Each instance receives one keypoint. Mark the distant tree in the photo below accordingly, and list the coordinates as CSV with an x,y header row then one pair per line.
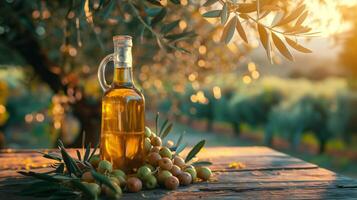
x,y
57,38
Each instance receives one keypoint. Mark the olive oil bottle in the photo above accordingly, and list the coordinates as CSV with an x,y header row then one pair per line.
x,y
123,110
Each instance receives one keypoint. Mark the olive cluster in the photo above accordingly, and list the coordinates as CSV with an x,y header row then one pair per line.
x,y
161,169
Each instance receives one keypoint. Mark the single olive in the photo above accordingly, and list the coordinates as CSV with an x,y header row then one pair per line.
x,y
163,175
156,141
134,184
191,171
150,182
175,170
92,187
147,132
94,160
171,183
165,164
179,161
118,172
105,166
143,172
87,177
155,149
185,178
150,167
165,152
109,192
152,135
204,173
114,180
147,145
153,158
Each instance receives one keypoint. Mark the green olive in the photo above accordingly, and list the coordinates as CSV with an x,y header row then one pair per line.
x,y
94,160
150,182
191,171
165,152
147,132
147,145
163,175
204,173
143,172
105,166
150,167
92,187
118,172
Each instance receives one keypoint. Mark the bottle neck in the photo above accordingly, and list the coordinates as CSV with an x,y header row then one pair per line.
x,y
123,76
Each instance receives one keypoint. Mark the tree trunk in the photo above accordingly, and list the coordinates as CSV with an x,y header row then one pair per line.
x,y
236,127
27,45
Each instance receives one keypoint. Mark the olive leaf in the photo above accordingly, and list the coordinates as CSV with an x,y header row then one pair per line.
x,y
70,163
60,168
152,12
166,131
53,156
278,17
265,40
209,2
93,152
157,122
282,47
292,16
159,17
212,14
202,163
228,30
78,155
169,27
180,139
197,148
247,7
103,179
177,2
224,14
154,2
297,46
241,31
90,193
180,148
302,18
44,177
108,10
162,127
87,152
181,36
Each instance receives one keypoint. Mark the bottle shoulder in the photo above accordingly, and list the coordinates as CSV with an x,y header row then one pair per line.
x,y
123,92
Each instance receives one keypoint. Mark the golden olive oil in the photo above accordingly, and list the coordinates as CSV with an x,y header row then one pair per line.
x,y
123,114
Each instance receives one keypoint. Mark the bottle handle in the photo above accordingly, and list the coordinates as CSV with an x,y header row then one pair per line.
x,y
101,72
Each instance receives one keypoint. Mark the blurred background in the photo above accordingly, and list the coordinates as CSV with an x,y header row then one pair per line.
x,y
229,94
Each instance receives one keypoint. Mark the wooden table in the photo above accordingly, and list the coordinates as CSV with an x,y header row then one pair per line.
x,y
267,174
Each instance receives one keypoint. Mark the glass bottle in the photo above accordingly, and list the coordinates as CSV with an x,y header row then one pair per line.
x,y
123,110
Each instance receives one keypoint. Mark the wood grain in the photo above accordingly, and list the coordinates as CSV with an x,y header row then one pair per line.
x,y
267,174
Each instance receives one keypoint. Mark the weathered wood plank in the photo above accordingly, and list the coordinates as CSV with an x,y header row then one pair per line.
x,y
268,174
